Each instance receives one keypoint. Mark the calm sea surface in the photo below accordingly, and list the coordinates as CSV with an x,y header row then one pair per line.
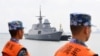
x,y
48,48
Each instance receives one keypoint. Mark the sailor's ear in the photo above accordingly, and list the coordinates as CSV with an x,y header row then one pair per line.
x,y
18,32
86,30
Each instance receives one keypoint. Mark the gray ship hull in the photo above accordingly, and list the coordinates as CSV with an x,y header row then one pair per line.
x,y
48,37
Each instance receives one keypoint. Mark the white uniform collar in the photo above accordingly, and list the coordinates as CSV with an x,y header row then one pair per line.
x,y
14,39
77,41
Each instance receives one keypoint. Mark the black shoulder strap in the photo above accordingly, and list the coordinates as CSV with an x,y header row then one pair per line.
x,y
22,52
95,55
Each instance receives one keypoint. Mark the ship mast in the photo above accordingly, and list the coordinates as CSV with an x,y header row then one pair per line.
x,y
40,19
61,29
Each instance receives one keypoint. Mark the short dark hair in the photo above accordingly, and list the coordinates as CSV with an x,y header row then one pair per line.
x,y
13,32
76,29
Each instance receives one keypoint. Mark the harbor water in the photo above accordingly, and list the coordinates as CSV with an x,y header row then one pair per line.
x,y
48,48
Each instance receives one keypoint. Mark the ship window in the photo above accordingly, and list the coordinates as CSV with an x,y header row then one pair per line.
x,y
39,32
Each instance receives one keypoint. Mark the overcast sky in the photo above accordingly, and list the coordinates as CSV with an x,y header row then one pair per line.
x,y
56,11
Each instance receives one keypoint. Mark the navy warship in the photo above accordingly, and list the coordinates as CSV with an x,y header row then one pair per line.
x,y
43,31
